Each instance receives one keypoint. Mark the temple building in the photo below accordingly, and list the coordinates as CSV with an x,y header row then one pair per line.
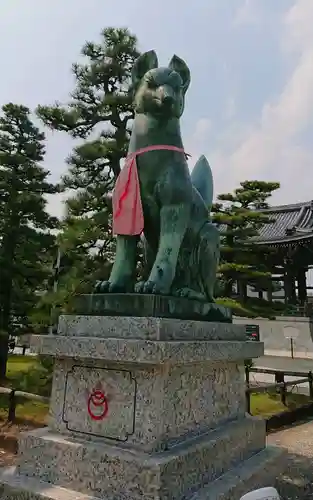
x,y
291,232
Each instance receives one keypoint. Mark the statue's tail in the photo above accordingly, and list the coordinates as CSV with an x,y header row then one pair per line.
x,y
202,179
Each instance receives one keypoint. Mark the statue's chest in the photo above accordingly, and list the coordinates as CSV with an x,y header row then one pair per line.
x,y
151,169
150,174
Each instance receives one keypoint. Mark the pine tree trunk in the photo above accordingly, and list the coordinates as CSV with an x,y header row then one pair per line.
x,y
242,289
4,328
6,296
229,288
4,338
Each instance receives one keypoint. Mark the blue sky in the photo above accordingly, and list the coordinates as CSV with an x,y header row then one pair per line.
x,y
250,104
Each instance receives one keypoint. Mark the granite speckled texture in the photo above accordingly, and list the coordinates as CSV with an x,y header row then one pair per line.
x,y
174,424
171,403
119,388
145,351
259,471
147,328
95,469
146,305
16,487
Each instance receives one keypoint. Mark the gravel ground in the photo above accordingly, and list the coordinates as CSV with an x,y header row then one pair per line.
x,y
296,480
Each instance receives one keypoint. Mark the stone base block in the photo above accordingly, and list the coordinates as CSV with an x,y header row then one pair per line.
x,y
259,471
163,329
96,468
13,486
149,408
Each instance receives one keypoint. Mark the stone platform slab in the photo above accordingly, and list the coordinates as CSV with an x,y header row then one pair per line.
x,y
259,471
145,351
16,487
147,328
153,306
95,468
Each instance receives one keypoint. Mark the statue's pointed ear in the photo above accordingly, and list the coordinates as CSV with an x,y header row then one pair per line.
x,y
178,65
145,62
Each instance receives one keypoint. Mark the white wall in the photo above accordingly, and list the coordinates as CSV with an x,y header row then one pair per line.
x,y
275,342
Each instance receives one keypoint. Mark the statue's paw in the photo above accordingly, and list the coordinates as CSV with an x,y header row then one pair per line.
x,y
117,287
188,293
102,286
109,287
150,287
182,292
139,287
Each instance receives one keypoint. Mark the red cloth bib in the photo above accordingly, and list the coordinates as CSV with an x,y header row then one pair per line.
x,y
127,207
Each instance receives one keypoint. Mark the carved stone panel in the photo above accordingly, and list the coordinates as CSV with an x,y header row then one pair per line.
x,y
100,402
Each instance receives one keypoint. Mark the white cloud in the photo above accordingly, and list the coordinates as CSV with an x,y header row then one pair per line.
x,y
230,108
203,126
56,204
271,147
247,13
197,143
298,26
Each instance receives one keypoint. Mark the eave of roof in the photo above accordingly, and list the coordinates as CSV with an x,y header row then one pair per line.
x,y
291,224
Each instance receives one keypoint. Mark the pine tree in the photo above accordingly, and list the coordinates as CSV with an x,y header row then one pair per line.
x,y
101,107
240,216
25,241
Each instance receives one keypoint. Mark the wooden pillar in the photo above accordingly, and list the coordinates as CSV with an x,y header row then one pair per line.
x,y
289,284
286,288
293,289
270,291
242,289
302,291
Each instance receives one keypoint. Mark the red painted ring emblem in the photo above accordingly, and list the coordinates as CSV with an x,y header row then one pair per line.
x,y
97,399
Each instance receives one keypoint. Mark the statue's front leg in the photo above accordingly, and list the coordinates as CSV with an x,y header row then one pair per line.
x,y
174,221
123,274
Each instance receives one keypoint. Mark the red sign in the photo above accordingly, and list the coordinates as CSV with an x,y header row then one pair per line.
x,y
97,405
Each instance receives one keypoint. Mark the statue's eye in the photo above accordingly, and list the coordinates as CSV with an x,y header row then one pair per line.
x,y
151,83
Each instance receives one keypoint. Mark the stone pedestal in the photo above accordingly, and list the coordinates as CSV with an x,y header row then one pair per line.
x,y
144,408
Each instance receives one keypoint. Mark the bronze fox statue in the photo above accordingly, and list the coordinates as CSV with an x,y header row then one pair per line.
x,y
171,207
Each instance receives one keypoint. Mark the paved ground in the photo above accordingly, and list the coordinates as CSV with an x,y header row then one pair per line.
x,y
280,363
296,480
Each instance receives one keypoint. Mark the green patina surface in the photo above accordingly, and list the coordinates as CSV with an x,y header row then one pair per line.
x,y
157,306
181,243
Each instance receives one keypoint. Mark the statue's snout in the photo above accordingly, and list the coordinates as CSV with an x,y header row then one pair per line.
x,y
167,95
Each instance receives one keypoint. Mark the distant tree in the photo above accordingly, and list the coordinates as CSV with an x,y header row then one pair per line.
x,y
240,216
99,112
25,240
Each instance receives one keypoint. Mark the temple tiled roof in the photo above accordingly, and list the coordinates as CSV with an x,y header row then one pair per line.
x,y
291,223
